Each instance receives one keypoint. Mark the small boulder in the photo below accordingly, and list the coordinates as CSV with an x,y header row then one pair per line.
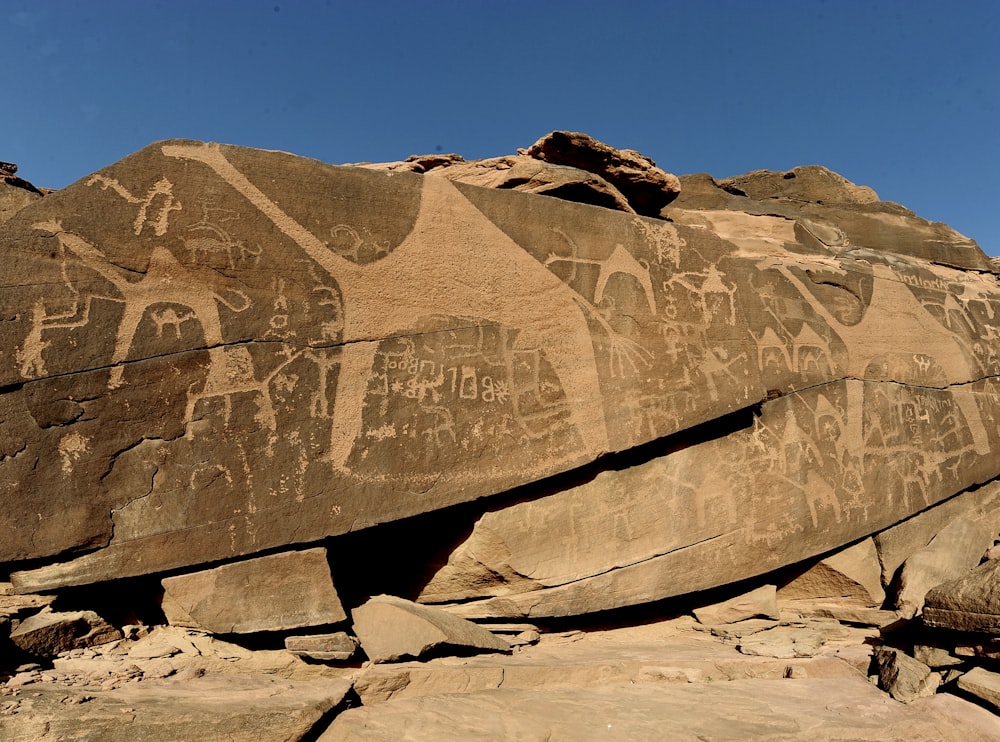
x,y
391,628
903,677
48,633
983,684
338,646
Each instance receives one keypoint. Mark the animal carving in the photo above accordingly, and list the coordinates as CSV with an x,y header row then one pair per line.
x,y
429,274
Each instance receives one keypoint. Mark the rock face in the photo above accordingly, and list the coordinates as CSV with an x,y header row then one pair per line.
x,y
15,193
272,593
212,356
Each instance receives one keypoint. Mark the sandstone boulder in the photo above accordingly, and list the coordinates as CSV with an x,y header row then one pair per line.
x,y
337,646
983,684
903,677
48,632
647,187
968,603
955,550
853,573
271,593
391,628
759,603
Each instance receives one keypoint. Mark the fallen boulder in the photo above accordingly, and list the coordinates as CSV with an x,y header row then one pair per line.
x,y
968,603
48,632
391,628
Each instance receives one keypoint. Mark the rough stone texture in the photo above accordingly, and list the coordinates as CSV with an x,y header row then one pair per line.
x,y
779,710
955,550
852,573
15,193
903,677
895,545
520,173
968,603
849,221
47,633
211,708
647,187
336,646
320,364
391,628
983,684
761,602
272,593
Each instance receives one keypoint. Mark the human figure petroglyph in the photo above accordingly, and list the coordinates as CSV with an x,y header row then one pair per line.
x,y
512,290
165,281
162,190
710,290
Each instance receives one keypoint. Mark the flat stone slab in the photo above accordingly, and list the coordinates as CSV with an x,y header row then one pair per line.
x,y
969,603
222,708
273,593
780,710
391,628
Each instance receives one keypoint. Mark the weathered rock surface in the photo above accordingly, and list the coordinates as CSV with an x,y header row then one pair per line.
x,y
895,545
15,193
336,646
338,346
829,212
647,187
983,684
519,173
216,708
955,550
853,573
391,628
759,603
906,679
272,593
968,603
47,633
742,709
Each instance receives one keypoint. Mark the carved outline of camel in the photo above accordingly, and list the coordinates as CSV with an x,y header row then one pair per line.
x,y
385,298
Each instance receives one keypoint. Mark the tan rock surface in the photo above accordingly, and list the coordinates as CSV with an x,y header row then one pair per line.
x,y
290,590
956,549
968,603
853,573
759,603
210,708
779,710
647,187
391,628
336,345
48,632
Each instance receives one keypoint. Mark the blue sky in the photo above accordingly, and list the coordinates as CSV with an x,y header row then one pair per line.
x,y
899,96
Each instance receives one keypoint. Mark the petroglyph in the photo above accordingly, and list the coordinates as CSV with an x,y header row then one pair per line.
x,y
505,290
160,193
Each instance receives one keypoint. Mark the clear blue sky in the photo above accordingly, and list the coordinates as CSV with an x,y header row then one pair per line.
x,y
900,96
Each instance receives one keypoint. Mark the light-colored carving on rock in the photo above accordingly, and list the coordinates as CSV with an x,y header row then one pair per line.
x,y
513,289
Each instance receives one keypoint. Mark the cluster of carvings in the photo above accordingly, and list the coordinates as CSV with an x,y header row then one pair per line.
x,y
233,351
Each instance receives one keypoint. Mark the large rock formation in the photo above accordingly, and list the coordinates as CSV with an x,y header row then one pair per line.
x,y
210,356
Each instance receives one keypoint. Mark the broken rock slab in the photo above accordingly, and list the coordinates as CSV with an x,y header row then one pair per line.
x,y
969,603
337,646
983,684
272,593
759,603
853,573
903,677
391,628
213,708
47,633
896,544
956,549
